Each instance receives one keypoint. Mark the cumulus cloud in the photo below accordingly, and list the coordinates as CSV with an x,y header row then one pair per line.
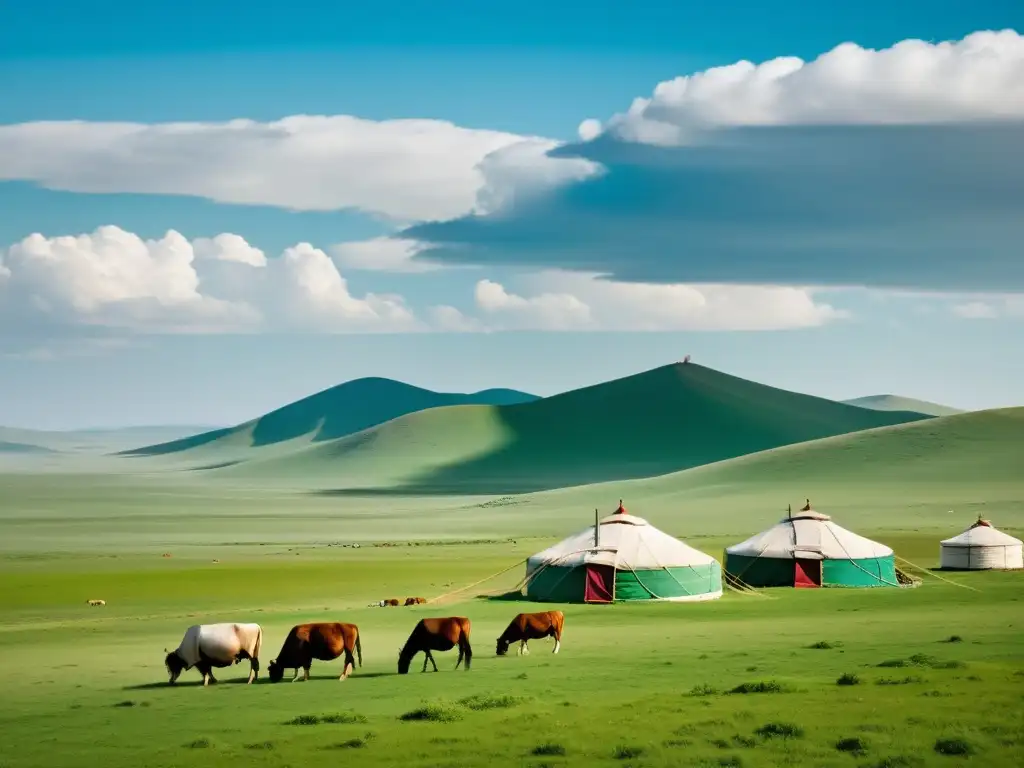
x,y
912,82
898,168
115,279
574,301
406,170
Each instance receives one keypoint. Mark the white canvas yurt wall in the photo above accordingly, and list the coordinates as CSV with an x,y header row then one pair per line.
x,y
982,547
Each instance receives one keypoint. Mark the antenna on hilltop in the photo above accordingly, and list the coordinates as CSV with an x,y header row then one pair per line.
x,y
686,360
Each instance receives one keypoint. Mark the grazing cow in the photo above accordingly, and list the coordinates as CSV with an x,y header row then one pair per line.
x,y
96,602
325,641
415,600
389,602
532,626
205,646
436,635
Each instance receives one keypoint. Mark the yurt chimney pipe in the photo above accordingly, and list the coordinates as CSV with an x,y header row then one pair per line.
x,y
597,529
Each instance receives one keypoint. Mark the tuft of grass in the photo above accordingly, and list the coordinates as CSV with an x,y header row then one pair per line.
x,y
922,660
199,744
260,745
703,690
908,680
744,741
356,743
548,750
954,747
731,761
898,761
434,713
822,645
481,702
304,720
953,639
623,752
677,743
780,730
761,686
848,679
854,745
344,718
127,703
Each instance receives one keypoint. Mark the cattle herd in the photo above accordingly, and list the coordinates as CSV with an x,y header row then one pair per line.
x,y
209,646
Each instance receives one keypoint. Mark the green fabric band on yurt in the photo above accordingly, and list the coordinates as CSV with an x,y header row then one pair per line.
x,y
667,582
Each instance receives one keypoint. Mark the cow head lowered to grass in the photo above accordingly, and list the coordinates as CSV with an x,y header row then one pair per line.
x,y
440,634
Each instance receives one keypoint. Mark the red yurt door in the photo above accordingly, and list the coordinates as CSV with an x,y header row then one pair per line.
x,y
600,584
807,573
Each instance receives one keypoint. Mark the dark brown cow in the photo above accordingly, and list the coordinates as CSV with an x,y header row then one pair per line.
x,y
436,635
391,601
532,626
325,641
415,600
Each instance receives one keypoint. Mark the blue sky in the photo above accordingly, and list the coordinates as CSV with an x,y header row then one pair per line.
x,y
859,219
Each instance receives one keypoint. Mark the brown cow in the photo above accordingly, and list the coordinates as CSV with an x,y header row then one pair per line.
x,y
436,635
325,641
415,600
532,626
391,601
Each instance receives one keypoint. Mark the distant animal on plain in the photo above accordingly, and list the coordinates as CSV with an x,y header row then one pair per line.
x,y
206,646
324,641
96,602
415,600
441,634
389,602
531,626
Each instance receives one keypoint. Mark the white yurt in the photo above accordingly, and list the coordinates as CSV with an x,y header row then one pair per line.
x,y
621,558
981,547
806,549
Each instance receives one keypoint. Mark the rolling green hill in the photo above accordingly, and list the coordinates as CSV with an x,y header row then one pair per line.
x,y
670,418
891,477
897,403
336,412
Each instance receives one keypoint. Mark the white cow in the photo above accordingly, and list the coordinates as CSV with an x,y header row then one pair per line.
x,y
205,646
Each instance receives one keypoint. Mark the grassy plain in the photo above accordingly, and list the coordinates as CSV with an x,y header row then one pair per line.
x,y
633,685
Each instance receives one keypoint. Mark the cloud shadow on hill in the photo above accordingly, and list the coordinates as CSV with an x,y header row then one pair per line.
x,y
672,418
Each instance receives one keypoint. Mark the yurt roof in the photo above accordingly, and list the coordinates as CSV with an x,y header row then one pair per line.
x,y
626,541
982,535
809,535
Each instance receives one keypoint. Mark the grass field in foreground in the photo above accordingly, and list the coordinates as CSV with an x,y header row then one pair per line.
x,y
634,685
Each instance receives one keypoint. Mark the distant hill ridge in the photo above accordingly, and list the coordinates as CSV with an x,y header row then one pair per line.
x,y
670,418
897,403
335,412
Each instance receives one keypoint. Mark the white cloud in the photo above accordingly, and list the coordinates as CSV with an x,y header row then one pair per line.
x,y
449,319
990,307
319,296
382,254
980,77
406,170
114,279
577,301
228,247
544,311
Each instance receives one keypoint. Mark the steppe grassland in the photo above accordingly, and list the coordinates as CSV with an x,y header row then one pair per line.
x,y
633,685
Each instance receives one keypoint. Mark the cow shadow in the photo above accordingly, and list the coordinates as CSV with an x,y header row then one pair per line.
x,y
184,684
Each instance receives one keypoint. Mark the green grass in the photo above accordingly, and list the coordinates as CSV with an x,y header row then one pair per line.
x,y
610,697
543,444
86,686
